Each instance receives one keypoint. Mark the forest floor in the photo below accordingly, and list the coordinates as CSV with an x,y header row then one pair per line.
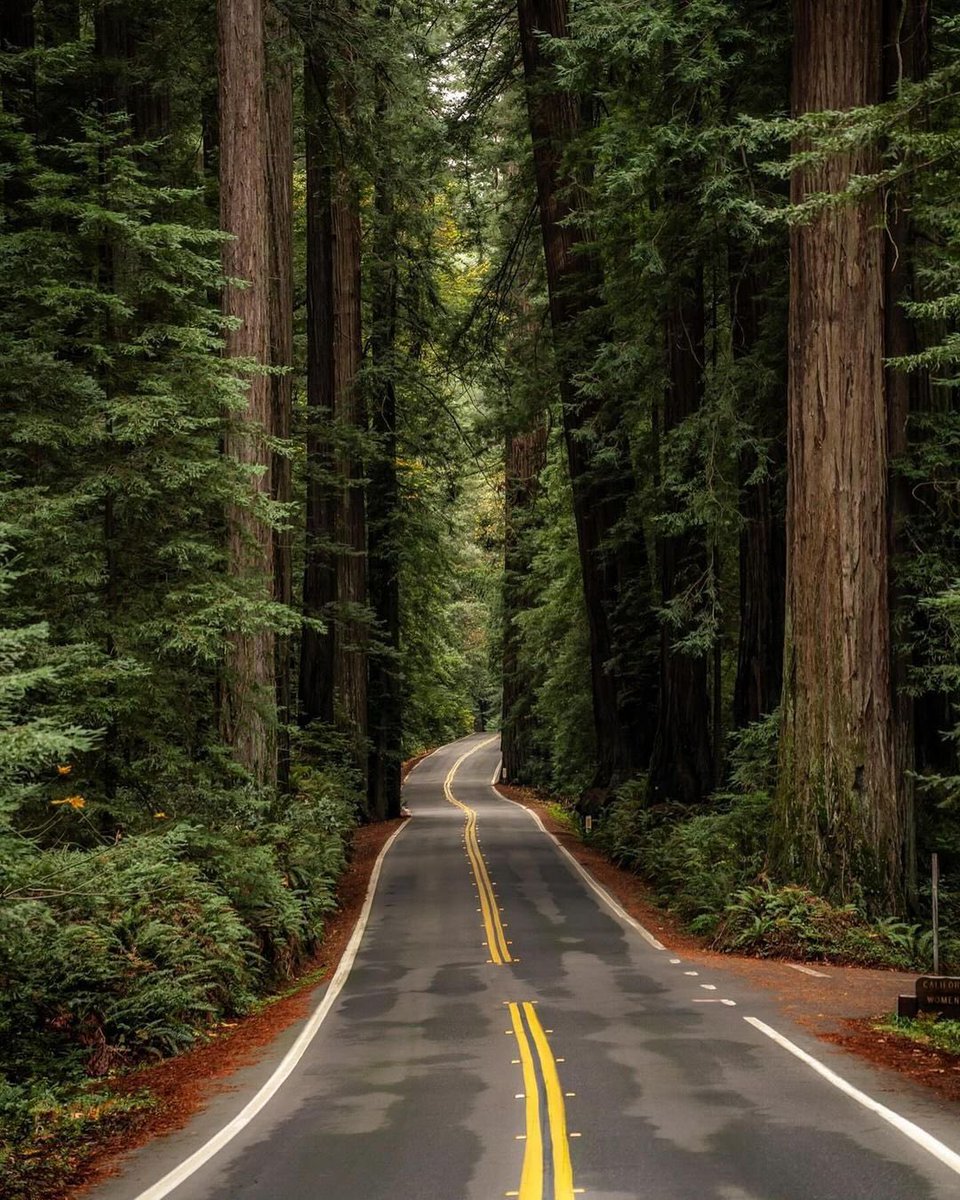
x,y
843,1005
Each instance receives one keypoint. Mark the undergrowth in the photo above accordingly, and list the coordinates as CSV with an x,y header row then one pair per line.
x,y
122,953
928,1029
707,865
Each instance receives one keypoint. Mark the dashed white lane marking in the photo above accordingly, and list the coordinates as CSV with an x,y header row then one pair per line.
x,y
675,961
588,879
691,972
709,987
807,970
174,1178
920,1136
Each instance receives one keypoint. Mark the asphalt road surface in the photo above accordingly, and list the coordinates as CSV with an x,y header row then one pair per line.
x,y
505,1032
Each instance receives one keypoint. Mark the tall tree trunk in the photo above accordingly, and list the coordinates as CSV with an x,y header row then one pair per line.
x,y
386,719
593,429
906,59
526,456
336,578
349,413
839,819
762,534
681,768
248,704
320,579
280,184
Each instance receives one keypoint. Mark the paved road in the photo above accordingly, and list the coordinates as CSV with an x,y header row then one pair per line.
x,y
503,1032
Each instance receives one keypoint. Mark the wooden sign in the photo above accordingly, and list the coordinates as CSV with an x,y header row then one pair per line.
x,y
940,994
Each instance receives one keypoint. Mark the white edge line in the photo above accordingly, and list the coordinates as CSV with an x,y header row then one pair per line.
x,y
496,775
926,1140
808,970
595,887
422,761
179,1174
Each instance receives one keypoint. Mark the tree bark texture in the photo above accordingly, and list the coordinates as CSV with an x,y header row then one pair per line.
x,y
338,355
350,529
622,694
385,697
279,99
681,768
248,703
839,820
906,59
316,690
526,456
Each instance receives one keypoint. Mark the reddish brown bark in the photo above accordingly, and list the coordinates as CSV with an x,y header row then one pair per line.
x,y
349,413
839,822
319,580
334,661
248,704
279,99
383,511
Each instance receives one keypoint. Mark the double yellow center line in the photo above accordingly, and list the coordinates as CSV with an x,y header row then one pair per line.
x,y
547,1170
496,937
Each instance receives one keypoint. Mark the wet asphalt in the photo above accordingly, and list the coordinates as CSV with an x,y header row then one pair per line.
x,y
412,1088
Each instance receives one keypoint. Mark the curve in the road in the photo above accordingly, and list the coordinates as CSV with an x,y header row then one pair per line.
x,y
496,942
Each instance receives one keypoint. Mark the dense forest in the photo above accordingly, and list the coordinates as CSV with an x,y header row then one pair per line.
x,y
373,372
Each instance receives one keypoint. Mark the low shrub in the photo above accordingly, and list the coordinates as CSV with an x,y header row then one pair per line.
x,y
132,950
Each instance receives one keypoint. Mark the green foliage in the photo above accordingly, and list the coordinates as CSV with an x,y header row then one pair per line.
x,y
792,922
928,1029
697,859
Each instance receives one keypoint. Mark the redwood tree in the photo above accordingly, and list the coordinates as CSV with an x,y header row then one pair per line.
x,y
279,101
248,702
840,809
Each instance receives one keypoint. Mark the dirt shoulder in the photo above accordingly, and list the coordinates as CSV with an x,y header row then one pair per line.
x,y
841,1005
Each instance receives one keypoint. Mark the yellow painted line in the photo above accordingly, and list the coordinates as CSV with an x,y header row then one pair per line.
x,y
531,1176
556,1110
496,938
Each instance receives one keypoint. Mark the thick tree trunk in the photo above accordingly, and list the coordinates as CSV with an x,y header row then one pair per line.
x,y
350,527
526,456
386,718
762,535
839,820
248,706
906,59
598,455
280,183
339,509
681,768
320,579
